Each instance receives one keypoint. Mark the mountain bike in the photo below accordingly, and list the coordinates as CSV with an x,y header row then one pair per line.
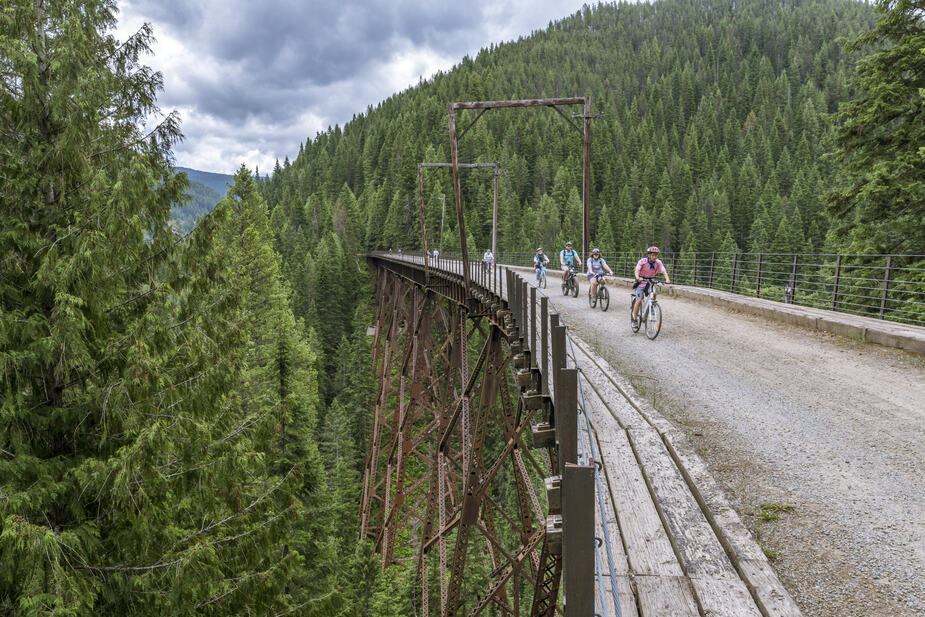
x,y
541,277
570,284
602,297
650,313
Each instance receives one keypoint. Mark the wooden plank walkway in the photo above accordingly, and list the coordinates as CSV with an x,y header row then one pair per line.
x,y
686,551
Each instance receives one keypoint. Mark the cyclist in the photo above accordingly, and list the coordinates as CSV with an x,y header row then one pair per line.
x,y
646,270
567,257
596,267
539,262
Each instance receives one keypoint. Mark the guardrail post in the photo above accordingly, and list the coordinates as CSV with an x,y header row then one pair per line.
x,y
886,284
732,283
533,353
712,263
557,343
524,313
509,288
758,282
566,410
793,278
835,284
578,539
544,343
694,276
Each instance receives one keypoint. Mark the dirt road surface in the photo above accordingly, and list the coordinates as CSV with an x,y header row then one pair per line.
x,y
819,441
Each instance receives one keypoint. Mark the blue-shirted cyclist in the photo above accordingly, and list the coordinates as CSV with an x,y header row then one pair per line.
x,y
567,257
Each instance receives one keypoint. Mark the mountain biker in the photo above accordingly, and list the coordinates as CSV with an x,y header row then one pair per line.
x,y
539,262
596,266
567,257
488,259
646,270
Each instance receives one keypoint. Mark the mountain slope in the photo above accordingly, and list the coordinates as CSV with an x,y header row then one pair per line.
x,y
202,199
217,182
714,129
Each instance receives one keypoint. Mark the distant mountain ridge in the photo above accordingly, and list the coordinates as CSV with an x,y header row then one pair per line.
x,y
206,189
217,182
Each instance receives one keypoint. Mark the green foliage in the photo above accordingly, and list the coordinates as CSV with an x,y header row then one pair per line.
x,y
158,399
879,199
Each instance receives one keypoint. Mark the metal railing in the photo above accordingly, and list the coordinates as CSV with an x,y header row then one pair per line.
x,y
888,287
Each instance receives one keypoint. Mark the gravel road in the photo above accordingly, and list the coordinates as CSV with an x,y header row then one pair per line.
x,y
827,433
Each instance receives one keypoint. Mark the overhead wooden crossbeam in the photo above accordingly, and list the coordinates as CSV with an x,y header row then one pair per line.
x,y
484,106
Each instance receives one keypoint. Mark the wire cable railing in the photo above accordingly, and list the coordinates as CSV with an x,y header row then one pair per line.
x,y
888,287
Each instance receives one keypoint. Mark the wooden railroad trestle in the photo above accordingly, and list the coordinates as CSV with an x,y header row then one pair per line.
x,y
472,468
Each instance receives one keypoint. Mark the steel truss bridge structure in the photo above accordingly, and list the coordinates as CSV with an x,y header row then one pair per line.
x,y
472,480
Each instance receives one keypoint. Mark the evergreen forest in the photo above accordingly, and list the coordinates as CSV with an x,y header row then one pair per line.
x,y
183,412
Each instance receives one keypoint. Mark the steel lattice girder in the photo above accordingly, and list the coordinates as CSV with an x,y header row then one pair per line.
x,y
447,468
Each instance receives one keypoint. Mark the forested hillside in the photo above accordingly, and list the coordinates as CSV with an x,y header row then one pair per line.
x,y
201,201
715,129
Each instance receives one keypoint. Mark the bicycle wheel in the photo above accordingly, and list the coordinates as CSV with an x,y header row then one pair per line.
x,y
603,297
574,287
654,321
543,279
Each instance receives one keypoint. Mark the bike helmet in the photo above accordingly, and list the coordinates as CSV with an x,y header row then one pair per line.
x,y
595,251
568,244
652,249
539,249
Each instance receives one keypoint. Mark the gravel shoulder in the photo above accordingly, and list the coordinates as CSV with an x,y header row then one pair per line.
x,y
826,433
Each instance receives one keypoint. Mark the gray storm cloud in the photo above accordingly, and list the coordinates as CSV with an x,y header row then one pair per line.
x,y
275,64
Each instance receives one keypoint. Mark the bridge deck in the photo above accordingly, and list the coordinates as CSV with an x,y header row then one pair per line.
x,y
678,548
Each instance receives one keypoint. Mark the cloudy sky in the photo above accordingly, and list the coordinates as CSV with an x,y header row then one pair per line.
x,y
251,80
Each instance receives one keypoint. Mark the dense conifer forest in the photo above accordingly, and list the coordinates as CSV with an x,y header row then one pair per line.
x,y
182,428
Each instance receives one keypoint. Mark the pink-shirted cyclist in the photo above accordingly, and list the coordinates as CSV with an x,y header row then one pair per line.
x,y
646,270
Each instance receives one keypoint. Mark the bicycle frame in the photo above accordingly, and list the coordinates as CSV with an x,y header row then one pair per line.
x,y
647,301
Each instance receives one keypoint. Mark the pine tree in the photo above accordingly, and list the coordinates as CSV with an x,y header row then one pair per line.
x,y
129,484
879,201
279,387
603,236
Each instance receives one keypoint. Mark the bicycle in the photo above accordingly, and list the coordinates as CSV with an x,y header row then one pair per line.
x,y
570,284
602,298
541,277
650,313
